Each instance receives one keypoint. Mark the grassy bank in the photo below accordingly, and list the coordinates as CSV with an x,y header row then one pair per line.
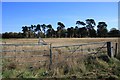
x,y
93,66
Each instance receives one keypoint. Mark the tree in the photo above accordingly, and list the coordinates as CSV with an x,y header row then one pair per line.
x,y
68,32
76,32
82,31
12,35
60,28
102,29
114,32
90,23
92,33
59,31
30,32
72,32
61,25
44,29
50,31
25,31
90,27
80,23
37,29
33,27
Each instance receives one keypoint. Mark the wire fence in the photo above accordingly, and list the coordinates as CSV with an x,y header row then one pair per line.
x,y
71,53
47,55
34,55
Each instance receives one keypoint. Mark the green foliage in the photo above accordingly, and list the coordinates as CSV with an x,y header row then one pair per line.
x,y
103,67
9,73
40,73
98,66
47,31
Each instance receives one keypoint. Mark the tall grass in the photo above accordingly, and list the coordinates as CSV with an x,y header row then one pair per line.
x,y
65,64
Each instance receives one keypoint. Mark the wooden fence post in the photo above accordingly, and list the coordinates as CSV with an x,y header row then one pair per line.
x,y
50,56
118,53
109,49
116,47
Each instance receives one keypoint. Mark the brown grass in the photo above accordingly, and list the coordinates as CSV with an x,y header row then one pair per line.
x,y
58,55
60,41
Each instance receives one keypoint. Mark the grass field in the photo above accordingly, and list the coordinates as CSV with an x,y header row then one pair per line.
x,y
60,41
91,66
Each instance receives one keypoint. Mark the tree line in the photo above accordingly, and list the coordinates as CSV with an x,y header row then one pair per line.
x,y
82,29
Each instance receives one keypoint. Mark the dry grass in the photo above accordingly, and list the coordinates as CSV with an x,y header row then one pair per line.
x,y
31,57
59,54
60,41
54,41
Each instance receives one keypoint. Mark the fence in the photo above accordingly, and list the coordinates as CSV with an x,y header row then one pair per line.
x,y
46,55
71,52
25,55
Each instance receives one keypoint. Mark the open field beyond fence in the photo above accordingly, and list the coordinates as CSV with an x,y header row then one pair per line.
x,y
60,41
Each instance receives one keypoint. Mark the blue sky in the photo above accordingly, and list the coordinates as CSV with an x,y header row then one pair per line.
x,y
60,0
17,14
0,17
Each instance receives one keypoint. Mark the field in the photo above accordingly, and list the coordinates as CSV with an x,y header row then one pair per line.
x,y
78,65
60,41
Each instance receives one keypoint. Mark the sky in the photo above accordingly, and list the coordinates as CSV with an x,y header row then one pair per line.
x,y
119,16
60,0
18,14
0,17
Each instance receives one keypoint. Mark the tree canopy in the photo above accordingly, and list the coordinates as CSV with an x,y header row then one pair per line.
x,y
81,29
